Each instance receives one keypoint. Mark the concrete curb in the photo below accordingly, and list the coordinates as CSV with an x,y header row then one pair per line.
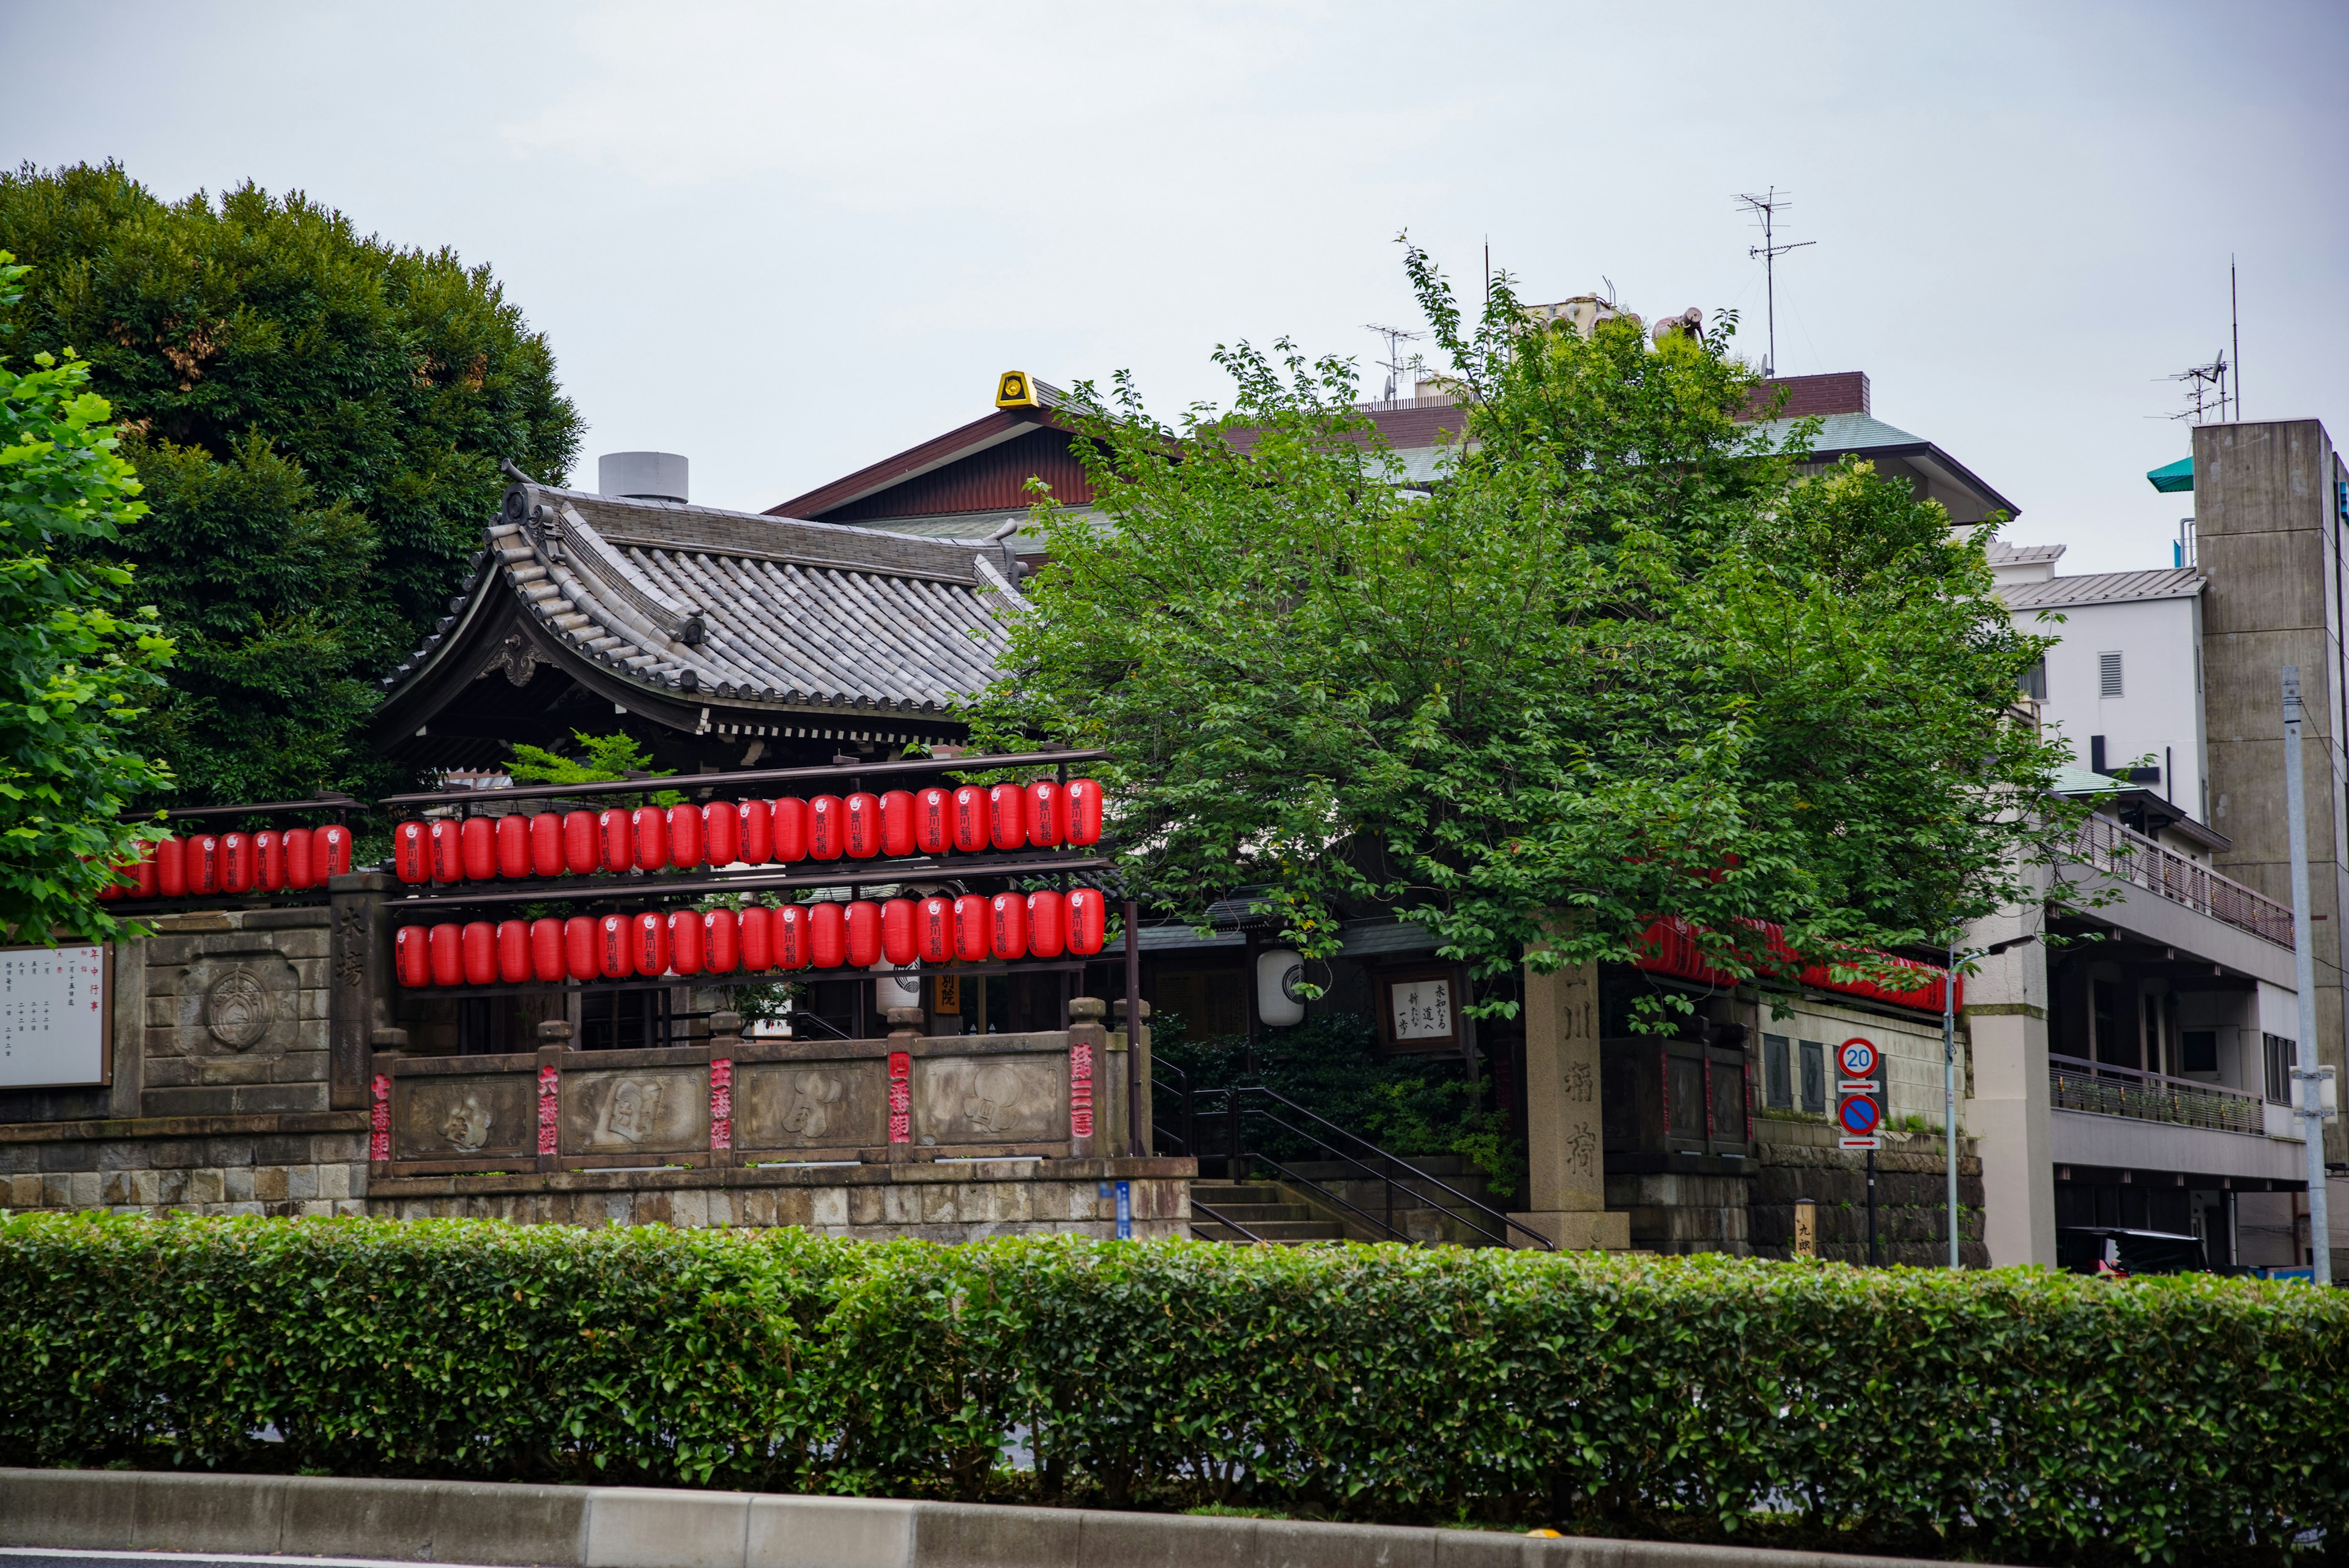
x,y
647,1527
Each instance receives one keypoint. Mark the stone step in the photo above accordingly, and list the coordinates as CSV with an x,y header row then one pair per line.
x,y
1286,1232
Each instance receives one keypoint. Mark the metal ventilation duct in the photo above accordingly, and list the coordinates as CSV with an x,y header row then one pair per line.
x,y
642,475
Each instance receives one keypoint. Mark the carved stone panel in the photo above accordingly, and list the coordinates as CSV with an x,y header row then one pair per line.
x,y
990,1099
487,1114
236,1007
651,1110
812,1105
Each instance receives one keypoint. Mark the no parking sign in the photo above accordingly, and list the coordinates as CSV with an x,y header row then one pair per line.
x,y
1860,1103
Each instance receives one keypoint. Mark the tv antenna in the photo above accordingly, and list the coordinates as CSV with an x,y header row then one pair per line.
x,y
1394,364
1769,205
2205,384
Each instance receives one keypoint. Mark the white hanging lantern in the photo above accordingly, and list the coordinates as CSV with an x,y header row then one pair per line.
x,y
1279,987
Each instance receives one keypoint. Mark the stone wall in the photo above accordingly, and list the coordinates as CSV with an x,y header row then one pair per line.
x,y
1800,1159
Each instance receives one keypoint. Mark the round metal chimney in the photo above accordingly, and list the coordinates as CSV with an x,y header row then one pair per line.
x,y
642,475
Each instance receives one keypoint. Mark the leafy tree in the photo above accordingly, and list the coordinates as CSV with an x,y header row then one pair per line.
x,y
318,417
1621,658
76,658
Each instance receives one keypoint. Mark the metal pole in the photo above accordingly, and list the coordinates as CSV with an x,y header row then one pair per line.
x,y
2303,965
1871,1208
1950,1092
1133,1030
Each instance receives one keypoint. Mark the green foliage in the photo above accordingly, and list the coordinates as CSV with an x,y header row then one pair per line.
x,y
1619,657
319,416
2015,1415
602,759
1418,1103
78,659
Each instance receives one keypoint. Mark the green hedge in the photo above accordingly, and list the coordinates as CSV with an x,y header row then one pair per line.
x,y
2017,1416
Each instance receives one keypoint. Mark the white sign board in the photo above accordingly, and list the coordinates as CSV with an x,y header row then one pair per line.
x,y
52,1016
1423,1009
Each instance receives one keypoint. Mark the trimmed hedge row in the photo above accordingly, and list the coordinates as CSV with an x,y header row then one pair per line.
x,y
2012,1415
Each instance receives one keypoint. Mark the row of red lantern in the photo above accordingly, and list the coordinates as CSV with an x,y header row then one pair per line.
x,y
293,860
860,935
970,820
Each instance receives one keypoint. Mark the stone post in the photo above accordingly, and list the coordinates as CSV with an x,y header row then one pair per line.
x,y
1565,1167
905,1031
359,960
1092,1131
1142,1072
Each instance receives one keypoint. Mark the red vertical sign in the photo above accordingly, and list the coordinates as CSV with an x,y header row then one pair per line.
x,y
550,1114
901,1097
721,1103
1081,1089
379,1120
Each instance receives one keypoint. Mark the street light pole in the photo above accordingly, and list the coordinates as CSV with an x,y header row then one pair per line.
x,y
2303,962
1949,1091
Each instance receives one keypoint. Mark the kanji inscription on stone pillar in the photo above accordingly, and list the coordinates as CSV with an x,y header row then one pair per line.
x,y
549,1111
721,1103
1080,1090
379,1120
901,1097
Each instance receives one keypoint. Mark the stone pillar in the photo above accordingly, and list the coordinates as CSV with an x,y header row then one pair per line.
x,y
1566,1167
2007,1112
360,964
1091,1132
1141,1071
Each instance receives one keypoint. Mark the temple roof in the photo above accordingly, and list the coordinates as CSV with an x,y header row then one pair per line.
x,y
670,609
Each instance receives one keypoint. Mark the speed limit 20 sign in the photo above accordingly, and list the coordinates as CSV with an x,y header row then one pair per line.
x,y
1860,1102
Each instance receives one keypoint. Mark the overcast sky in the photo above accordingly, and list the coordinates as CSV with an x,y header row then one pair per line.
x,y
790,241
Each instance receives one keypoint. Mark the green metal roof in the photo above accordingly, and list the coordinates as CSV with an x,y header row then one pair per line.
x,y
2179,476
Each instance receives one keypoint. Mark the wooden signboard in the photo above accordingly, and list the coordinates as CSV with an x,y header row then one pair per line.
x,y
1419,1009
57,1011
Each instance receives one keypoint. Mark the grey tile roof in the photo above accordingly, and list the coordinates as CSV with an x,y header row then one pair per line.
x,y
750,609
2002,554
2104,589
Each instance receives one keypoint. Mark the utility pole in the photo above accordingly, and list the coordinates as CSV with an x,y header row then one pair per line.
x,y
1949,1091
2306,1076
1769,205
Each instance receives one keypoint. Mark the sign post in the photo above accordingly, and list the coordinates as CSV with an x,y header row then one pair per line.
x,y
1860,1112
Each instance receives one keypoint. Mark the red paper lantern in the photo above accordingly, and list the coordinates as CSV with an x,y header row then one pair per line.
x,y
1006,926
409,957
863,835
330,852
1047,813
789,827
722,833
477,848
899,941
934,930
546,965
112,888
1047,924
615,947
756,820
685,836
973,941
143,873
650,825
513,952
933,821
547,857
721,941
1007,817
756,932
583,855
615,839
685,940
236,863
410,854
1082,801
827,935
204,863
171,867
648,943
300,874
579,948
514,846
1088,920
970,834
826,820
269,861
444,850
478,941
449,954
793,948
864,921
897,823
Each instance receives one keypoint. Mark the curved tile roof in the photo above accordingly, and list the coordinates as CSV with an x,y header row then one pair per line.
x,y
748,609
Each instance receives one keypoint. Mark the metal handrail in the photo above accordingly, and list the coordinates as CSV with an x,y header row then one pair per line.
x,y
689,783
1180,1092
1226,1221
2142,862
2106,1088
1386,1175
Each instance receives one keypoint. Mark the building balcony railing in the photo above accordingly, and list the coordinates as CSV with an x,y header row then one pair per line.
x,y
2103,1089
2133,858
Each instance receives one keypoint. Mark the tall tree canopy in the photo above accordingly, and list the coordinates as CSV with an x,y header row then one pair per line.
x,y
318,418
78,655
1622,658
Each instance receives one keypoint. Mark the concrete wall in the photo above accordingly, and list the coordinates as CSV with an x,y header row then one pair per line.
x,y
2159,709
2270,543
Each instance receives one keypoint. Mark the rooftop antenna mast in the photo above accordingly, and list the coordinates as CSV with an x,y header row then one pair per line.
x,y
1769,205
1394,364
2203,382
2235,325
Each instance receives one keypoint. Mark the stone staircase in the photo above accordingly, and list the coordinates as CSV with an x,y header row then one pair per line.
x,y
1291,1213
